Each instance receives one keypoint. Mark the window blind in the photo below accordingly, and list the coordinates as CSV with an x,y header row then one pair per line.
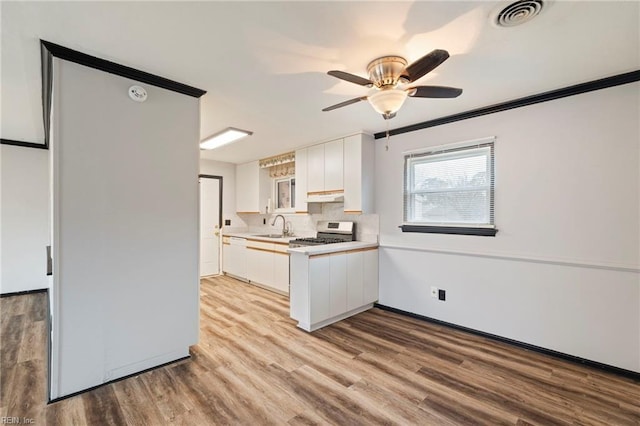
x,y
450,186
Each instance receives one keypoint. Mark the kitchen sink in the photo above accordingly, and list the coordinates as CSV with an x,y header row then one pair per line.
x,y
269,236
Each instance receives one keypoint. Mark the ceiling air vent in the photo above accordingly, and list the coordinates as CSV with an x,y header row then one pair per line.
x,y
518,13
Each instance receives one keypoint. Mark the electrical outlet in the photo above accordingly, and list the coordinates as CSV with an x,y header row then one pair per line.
x,y
442,295
434,292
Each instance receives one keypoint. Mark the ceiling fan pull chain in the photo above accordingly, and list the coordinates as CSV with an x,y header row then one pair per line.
x,y
386,147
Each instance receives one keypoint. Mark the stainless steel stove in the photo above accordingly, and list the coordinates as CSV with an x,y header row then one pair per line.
x,y
329,232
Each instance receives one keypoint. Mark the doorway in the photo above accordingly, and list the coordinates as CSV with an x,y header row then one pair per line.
x,y
210,224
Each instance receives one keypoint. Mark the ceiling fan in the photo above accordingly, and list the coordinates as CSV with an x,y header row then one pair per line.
x,y
388,78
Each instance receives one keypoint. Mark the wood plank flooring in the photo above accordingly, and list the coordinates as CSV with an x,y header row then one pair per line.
x,y
254,367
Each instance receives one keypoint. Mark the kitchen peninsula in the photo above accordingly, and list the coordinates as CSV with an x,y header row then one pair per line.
x,y
332,282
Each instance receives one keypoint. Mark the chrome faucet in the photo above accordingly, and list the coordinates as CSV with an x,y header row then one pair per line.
x,y
284,224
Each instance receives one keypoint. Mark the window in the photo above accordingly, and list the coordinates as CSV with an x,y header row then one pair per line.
x,y
285,193
450,189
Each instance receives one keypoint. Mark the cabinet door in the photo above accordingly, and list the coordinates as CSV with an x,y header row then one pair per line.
x,y
333,165
355,280
315,168
359,159
301,181
319,295
281,271
370,275
338,284
260,263
353,174
233,260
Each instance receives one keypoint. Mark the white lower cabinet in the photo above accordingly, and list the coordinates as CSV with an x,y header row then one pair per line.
x,y
330,287
281,271
259,262
370,275
355,277
234,251
268,265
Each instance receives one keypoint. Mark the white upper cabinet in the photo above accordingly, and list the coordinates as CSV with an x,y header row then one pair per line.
x,y
359,159
301,180
333,166
325,167
315,169
343,166
253,188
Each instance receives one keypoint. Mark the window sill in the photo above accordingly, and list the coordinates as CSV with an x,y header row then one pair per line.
x,y
455,230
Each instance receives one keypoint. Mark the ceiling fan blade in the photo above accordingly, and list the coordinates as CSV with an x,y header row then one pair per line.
x,y
434,92
426,64
351,78
345,103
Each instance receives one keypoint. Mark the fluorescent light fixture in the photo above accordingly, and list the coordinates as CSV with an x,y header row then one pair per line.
x,y
224,137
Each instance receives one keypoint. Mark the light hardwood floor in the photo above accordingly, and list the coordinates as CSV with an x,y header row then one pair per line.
x,y
254,367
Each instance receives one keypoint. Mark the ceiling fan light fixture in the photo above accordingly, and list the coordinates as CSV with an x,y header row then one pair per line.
x,y
224,137
387,101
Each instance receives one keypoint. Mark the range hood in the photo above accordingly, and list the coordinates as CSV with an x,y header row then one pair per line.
x,y
336,197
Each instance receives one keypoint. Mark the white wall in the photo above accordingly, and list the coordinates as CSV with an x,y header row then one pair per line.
x,y
563,271
125,228
24,198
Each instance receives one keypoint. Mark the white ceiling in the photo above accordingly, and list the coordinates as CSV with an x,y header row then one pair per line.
x,y
264,64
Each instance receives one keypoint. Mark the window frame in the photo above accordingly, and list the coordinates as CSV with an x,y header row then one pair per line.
x,y
444,153
276,194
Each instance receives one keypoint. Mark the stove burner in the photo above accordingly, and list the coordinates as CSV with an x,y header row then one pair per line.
x,y
328,233
316,241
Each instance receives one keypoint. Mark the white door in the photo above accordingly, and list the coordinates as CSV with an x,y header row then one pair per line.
x,y
209,226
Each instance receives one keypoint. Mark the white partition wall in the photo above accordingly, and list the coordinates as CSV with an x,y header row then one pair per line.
x,y
24,195
125,227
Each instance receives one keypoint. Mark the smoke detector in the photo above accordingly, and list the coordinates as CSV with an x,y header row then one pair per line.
x,y
517,13
137,93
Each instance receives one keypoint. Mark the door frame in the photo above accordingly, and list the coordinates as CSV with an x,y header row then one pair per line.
x,y
220,181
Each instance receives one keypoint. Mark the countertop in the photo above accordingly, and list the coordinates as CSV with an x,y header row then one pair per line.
x,y
306,250
255,236
332,248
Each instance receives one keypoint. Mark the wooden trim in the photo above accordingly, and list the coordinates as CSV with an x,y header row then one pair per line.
x,y
577,360
353,211
22,293
247,212
329,192
266,241
224,243
302,212
267,250
334,253
121,70
577,89
261,249
23,144
291,154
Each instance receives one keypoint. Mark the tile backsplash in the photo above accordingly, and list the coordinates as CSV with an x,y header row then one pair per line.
x,y
304,225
